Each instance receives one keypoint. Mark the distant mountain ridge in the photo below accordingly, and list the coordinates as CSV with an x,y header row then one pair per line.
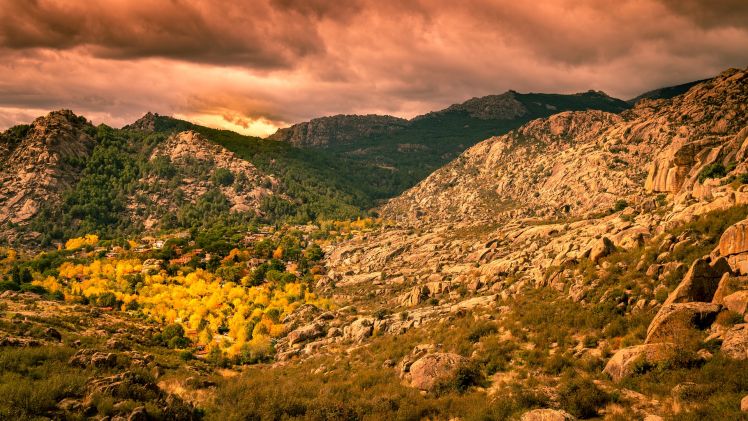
x,y
666,92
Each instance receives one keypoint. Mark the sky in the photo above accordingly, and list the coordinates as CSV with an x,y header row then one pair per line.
x,y
254,66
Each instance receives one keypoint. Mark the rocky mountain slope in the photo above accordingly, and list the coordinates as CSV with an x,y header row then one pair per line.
x,y
324,131
395,154
640,213
62,175
39,162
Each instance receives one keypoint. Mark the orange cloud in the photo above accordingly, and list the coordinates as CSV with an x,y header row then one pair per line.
x,y
256,65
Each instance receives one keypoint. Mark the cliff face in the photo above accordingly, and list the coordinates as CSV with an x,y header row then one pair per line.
x,y
39,163
339,129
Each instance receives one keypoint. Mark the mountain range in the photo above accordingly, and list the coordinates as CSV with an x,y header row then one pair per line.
x,y
531,256
123,180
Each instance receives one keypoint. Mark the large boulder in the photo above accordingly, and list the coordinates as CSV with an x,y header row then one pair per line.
x,y
431,370
359,330
547,415
734,245
700,282
675,320
737,302
735,344
625,362
601,248
306,333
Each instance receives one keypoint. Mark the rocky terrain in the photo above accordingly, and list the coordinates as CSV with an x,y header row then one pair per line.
x,y
325,131
40,161
185,153
587,264
622,210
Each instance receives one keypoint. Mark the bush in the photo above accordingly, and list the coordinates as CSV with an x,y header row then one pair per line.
x,y
620,205
173,336
223,177
716,170
581,397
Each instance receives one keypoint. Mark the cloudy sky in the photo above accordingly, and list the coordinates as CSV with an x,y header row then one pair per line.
x,y
256,65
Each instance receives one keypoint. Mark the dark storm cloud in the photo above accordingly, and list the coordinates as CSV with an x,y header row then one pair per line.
x,y
254,65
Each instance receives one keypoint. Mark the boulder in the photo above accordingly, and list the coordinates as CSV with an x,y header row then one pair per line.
x,y
601,248
734,245
734,240
306,333
359,330
735,344
625,362
547,415
737,302
673,320
701,281
429,371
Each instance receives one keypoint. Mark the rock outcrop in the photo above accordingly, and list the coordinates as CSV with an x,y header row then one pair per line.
x,y
735,344
326,131
674,321
435,369
626,361
39,163
701,281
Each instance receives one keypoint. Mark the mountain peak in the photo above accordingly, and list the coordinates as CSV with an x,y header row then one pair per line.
x,y
147,123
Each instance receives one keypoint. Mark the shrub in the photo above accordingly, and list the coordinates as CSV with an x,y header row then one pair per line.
x,y
620,205
223,177
482,329
715,170
581,397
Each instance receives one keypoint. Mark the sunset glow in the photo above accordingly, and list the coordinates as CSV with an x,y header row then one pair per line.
x,y
257,65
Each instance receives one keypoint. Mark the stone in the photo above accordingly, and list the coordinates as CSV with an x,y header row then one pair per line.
x,y
429,371
744,404
735,344
306,333
701,281
359,330
601,248
674,320
737,302
101,359
625,362
734,240
115,344
547,415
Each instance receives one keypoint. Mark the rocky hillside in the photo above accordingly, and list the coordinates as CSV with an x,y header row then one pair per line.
x,y
187,168
339,129
616,241
579,163
39,162
62,176
390,155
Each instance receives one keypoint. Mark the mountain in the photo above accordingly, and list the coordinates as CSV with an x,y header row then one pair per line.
x,y
666,92
39,162
63,177
577,163
396,154
587,264
339,129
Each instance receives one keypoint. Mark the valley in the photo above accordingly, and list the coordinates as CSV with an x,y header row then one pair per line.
x,y
516,256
